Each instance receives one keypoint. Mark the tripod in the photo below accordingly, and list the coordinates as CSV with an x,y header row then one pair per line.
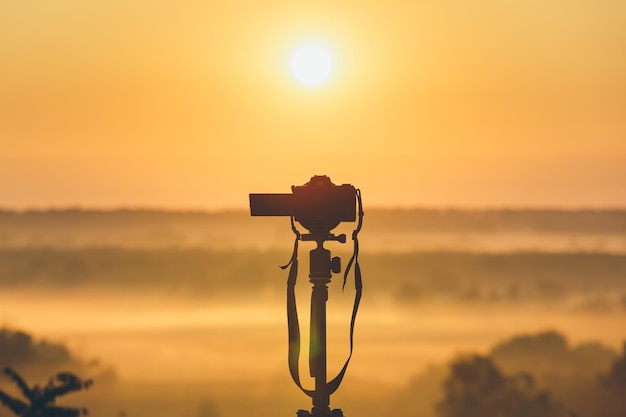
x,y
320,268
319,206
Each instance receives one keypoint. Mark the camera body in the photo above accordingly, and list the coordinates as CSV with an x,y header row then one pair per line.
x,y
319,205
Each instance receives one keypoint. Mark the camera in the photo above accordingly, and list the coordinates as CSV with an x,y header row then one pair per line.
x,y
319,205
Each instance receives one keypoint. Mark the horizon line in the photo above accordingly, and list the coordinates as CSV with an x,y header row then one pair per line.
x,y
218,210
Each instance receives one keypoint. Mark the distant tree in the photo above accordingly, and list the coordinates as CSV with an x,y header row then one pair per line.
x,y
613,402
207,408
616,378
475,387
19,348
40,400
548,357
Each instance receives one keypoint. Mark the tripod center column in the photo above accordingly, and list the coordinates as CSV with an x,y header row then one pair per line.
x,y
320,275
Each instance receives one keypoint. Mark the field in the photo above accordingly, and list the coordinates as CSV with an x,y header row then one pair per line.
x,y
183,314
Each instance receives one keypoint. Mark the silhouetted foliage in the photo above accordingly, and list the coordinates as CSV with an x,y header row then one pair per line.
x,y
18,348
40,358
40,400
616,377
611,395
207,408
410,277
548,354
568,372
477,388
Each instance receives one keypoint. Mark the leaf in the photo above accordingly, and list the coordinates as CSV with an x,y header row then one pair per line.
x,y
15,405
19,381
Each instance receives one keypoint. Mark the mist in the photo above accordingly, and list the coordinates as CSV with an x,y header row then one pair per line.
x,y
184,313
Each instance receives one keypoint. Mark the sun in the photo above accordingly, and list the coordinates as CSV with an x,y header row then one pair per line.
x,y
311,64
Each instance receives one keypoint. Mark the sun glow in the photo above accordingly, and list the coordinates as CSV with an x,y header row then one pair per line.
x,y
311,64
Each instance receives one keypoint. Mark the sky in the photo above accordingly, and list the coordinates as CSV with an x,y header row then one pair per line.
x,y
191,105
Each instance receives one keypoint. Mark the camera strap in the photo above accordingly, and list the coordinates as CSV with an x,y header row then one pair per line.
x,y
292,314
292,311
358,286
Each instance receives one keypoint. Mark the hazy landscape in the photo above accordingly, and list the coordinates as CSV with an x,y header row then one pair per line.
x,y
487,138
183,313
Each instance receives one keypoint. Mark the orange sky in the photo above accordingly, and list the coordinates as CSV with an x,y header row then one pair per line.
x,y
190,104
